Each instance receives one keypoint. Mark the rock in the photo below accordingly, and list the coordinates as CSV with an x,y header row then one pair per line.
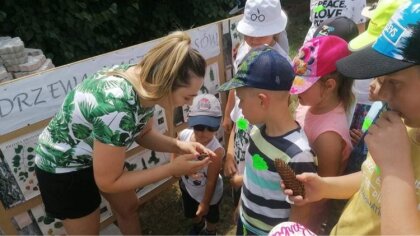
x,y
47,65
33,63
13,45
33,52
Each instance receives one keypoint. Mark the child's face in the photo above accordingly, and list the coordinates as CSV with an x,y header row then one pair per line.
x,y
401,90
203,136
312,96
254,42
185,95
250,105
374,87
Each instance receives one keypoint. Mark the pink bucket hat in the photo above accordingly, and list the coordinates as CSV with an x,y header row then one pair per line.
x,y
317,58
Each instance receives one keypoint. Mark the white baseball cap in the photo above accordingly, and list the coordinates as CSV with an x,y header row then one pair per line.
x,y
205,110
262,18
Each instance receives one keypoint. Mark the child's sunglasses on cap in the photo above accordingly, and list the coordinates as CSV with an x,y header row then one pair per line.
x,y
203,127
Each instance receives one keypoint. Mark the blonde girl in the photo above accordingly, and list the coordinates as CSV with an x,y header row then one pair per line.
x,y
324,97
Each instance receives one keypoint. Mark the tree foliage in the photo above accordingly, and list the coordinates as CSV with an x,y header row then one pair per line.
x,y
71,30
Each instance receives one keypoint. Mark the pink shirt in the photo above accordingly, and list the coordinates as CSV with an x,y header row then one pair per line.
x,y
317,124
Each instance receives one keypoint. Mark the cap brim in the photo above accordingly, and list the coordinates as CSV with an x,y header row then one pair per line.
x,y
302,83
250,29
368,63
231,84
362,41
204,120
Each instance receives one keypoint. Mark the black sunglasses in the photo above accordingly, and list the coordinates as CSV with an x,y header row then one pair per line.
x,y
203,127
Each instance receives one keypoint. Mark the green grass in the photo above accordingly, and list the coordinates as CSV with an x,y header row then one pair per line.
x,y
296,32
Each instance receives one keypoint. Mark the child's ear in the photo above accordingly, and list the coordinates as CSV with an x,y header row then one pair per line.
x,y
264,100
330,84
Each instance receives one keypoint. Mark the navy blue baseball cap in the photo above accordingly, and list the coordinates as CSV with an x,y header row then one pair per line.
x,y
262,68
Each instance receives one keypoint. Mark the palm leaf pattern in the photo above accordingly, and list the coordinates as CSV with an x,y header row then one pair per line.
x,y
101,107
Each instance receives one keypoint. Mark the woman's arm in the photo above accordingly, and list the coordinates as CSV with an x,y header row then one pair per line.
x,y
151,139
108,164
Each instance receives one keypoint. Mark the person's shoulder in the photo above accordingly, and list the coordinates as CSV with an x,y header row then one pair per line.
x,y
298,137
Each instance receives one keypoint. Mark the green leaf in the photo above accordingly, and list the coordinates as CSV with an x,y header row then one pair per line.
x,y
58,225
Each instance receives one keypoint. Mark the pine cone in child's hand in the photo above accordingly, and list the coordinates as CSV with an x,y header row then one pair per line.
x,y
202,156
289,178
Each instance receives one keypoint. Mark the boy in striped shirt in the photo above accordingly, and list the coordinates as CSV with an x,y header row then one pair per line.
x,y
262,84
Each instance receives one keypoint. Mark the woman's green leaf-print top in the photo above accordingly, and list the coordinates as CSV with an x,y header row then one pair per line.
x,y
102,107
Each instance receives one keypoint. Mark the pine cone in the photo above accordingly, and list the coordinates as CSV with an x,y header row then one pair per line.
x,y
289,178
202,156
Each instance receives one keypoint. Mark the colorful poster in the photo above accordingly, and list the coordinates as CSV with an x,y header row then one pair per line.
x,y
206,40
47,224
211,80
231,40
104,210
160,119
145,160
19,154
26,224
10,193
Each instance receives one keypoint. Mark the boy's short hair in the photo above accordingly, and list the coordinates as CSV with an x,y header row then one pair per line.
x,y
205,110
262,68
396,49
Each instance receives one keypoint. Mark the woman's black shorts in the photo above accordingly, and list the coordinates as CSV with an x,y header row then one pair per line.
x,y
68,195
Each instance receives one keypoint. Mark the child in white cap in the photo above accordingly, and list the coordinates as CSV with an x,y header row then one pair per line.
x,y
202,191
263,22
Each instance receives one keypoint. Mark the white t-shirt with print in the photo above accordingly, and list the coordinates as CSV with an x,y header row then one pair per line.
x,y
196,184
321,10
244,48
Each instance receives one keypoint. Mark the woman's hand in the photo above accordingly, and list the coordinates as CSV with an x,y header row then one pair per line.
x,y
313,185
187,164
193,148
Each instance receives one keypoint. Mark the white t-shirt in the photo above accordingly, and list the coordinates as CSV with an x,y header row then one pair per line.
x,y
196,184
321,10
244,48
361,91
241,139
